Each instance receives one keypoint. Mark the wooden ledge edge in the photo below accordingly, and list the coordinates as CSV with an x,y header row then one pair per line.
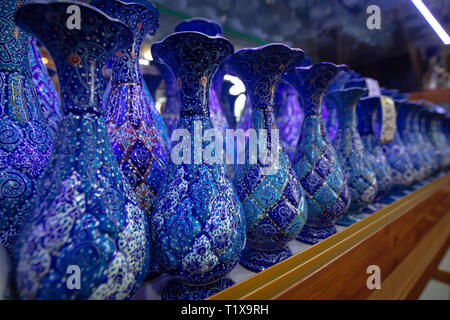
x,y
271,282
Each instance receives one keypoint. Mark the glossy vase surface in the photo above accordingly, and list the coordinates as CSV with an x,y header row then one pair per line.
x,y
198,225
272,197
45,89
86,217
25,138
360,176
366,110
315,162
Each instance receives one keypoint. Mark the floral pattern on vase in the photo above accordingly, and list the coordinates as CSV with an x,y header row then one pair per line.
x,y
315,162
198,224
45,89
360,176
138,145
85,214
272,197
373,151
25,139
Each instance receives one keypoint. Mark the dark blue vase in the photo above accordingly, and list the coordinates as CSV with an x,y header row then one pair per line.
x,y
45,89
315,162
198,226
25,138
403,171
289,117
272,197
138,145
86,219
404,115
433,126
360,176
366,110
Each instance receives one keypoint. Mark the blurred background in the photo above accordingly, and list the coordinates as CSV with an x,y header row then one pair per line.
x,y
406,53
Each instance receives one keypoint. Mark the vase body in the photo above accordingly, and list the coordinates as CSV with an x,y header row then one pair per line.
x,y
25,139
198,225
360,176
270,192
85,215
366,110
409,137
403,172
45,89
420,127
433,127
315,162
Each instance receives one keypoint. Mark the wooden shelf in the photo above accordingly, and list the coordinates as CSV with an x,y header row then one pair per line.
x,y
406,240
436,96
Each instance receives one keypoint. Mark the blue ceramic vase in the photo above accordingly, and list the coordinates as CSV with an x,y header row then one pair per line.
x,y
289,117
433,128
86,218
403,172
198,226
45,89
421,127
366,110
421,166
360,176
272,197
25,138
138,145
315,162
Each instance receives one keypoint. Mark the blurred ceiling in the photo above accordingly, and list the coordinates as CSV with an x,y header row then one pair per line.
x,y
332,30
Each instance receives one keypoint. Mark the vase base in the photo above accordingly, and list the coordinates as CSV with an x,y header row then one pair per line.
x,y
177,290
350,218
312,235
259,260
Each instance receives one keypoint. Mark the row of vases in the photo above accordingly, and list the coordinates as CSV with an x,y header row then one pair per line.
x,y
190,219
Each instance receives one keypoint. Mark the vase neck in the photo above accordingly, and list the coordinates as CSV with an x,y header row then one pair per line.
x,y
311,84
126,69
79,54
365,112
193,59
14,48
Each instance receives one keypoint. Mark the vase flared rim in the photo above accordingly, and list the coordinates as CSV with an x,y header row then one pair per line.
x,y
205,21
339,67
156,45
144,3
22,24
270,45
